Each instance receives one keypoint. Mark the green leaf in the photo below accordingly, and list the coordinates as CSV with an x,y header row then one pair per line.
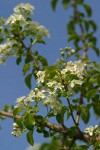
x,y
30,137
73,37
71,26
19,122
86,23
60,117
18,60
28,80
53,4
39,118
97,50
51,71
40,40
17,111
26,68
1,39
46,133
65,3
88,10
91,93
71,131
40,129
42,60
79,2
6,32
84,112
93,24
96,104
29,121
98,79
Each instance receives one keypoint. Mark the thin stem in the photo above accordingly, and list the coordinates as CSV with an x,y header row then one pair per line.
x,y
80,103
71,111
77,17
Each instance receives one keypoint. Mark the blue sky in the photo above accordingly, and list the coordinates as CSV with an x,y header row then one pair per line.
x,y
12,83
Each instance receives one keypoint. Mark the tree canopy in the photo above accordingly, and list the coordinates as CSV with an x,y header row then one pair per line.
x,y
69,89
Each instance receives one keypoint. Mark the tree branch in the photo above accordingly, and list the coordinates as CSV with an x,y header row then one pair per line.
x,y
49,125
79,135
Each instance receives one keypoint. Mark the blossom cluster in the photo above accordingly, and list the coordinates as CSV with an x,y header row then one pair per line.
x,y
17,28
14,18
49,90
24,9
17,131
93,130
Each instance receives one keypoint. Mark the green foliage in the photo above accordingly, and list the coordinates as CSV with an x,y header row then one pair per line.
x,y
69,90
29,121
28,80
30,137
53,4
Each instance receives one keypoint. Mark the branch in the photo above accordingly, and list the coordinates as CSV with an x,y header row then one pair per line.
x,y
49,125
77,17
79,135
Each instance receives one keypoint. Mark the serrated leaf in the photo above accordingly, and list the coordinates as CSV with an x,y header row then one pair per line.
x,y
28,80
53,4
30,137
88,10
18,60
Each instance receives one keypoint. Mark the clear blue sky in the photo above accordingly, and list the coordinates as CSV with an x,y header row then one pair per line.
x,y
12,83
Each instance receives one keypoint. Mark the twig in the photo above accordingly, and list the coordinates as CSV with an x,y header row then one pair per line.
x,y
71,111
78,134
49,125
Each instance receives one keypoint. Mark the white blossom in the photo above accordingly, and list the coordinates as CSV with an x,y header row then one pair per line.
x,y
37,94
75,68
17,131
15,17
20,100
40,76
5,48
93,130
24,7
54,84
75,82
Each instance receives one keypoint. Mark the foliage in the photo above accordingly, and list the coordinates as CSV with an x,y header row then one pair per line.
x,y
67,89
